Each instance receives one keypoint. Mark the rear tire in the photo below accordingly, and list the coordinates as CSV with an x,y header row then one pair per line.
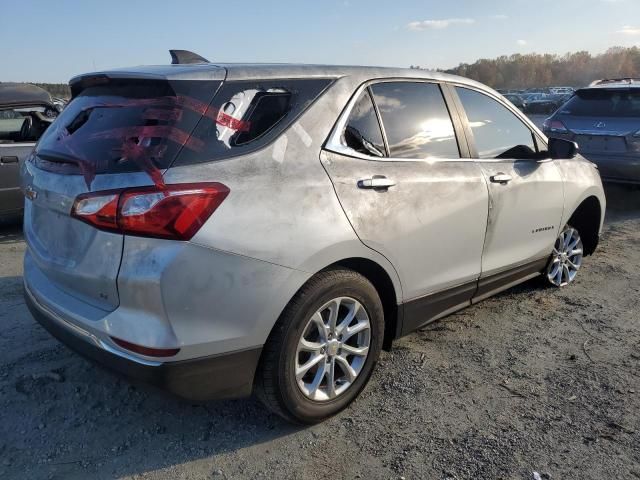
x,y
344,345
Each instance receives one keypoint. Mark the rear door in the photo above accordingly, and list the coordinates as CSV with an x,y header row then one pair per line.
x,y
410,194
115,133
525,186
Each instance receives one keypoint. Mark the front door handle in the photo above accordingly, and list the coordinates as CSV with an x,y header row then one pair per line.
x,y
8,159
376,182
501,178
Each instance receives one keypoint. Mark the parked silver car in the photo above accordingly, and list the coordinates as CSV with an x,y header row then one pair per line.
x,y
604,119
223,229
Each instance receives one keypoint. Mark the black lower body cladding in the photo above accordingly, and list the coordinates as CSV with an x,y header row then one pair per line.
x,y
216,377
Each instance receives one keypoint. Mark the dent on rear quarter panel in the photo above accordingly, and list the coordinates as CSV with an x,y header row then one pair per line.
x,y
581,181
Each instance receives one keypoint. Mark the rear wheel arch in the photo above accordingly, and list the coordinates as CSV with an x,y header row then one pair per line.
x,y
383,284
586,219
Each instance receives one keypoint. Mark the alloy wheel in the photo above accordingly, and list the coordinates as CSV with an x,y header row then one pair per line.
x,y
332,349
566,258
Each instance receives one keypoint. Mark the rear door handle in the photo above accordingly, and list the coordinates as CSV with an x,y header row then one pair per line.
x,y
377,181
501,178
8,159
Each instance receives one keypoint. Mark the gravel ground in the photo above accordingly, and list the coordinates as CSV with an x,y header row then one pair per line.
x,y
533,380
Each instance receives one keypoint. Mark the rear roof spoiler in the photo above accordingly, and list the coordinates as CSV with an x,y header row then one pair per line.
x,y
185,57
625,80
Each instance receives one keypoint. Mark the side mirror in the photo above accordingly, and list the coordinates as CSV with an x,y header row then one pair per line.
x,y
559,148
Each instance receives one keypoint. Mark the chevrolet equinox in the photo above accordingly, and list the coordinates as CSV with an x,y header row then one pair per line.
x,y
226,229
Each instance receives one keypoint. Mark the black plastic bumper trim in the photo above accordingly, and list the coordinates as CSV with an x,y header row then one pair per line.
x,y
222,376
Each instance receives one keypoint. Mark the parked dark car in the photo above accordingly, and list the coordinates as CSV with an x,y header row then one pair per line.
x,y
545,104
517,101
25,113
604,119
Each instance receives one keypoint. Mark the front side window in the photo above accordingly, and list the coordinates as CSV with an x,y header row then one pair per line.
x,y
416,120
362,132
498,133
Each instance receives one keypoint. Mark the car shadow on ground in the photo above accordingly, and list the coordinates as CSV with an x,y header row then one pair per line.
x,y
80,414
623,202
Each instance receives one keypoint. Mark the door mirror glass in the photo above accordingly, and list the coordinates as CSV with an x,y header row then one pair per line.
x,y
559,148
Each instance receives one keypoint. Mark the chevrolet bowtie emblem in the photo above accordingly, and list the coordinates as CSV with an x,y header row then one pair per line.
x,y
30,193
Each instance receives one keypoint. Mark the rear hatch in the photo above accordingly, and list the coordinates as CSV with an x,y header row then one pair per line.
x,y
604,121
121,129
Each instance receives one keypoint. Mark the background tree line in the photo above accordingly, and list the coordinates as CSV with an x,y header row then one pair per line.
x,y
535,70
60,90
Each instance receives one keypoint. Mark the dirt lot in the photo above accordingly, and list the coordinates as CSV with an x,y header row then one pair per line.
x,y
534,380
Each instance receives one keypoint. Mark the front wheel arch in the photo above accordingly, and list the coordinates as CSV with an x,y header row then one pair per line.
x,y
586,219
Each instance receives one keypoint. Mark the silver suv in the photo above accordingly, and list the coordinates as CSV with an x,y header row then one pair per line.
x,y
226,229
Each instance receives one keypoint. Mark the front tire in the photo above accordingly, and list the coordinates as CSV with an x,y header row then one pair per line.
x,y
323,348
566,258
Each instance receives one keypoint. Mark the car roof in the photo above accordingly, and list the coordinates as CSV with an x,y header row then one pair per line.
x,y
616,84
266,71
22,94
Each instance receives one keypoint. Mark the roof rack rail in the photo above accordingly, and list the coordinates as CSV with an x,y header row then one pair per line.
x,y
185,57
628,80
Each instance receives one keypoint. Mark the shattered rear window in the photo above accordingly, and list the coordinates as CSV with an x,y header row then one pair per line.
x,y
126,125
147,125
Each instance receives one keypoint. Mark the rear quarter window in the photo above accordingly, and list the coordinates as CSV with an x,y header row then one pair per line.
x,y
251,114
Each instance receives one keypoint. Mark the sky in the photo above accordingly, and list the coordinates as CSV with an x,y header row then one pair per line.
x,y
51,41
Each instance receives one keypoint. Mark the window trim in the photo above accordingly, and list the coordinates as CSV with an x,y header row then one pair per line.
x,y
334,141
471,141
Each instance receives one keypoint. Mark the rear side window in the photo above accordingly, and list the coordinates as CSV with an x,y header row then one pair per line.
x,y
416,120
497,132
362,132
247,115
604,103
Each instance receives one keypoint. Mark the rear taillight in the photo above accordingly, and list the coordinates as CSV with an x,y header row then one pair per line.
x,y
171,211
555,126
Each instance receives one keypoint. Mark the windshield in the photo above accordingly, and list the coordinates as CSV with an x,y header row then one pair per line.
x,y
604,103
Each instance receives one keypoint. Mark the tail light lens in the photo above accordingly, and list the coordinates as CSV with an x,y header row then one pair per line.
x,y
173,212
555,126
148,351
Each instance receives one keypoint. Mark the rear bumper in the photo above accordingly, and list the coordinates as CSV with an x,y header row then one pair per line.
x,y
221,376
616,168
